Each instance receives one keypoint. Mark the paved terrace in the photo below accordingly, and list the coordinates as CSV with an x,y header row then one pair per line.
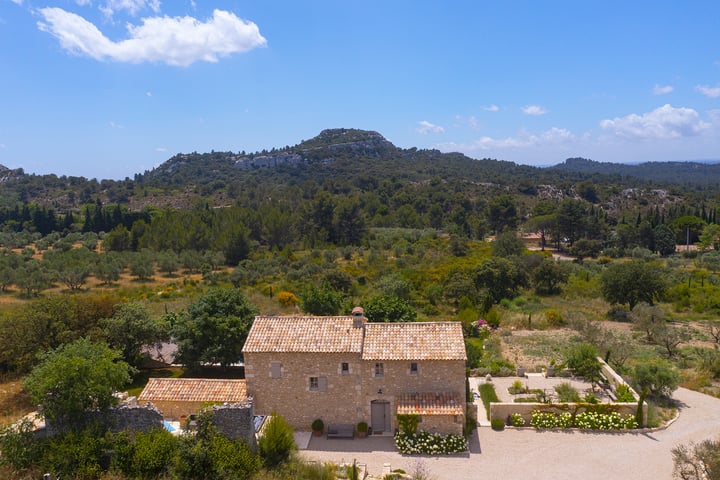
x,y
557,455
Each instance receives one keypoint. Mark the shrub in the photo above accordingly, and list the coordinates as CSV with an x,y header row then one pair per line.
x,y
497,424
567,393
277,442
517,420
317,425
408,423
362,427
288,299
430,443
516,388
623,394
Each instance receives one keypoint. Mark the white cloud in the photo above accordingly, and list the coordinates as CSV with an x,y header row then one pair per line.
x,y
534,110
663,122
491,108
133,7
161,149
83,3
427,127
148,94
708,91
116,125
473,122
179,41
17,2
662,90
554,136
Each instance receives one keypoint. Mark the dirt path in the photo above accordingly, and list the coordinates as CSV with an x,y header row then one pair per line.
x,y
546,455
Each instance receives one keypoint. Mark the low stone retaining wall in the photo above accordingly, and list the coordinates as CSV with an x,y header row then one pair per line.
x,y
504,410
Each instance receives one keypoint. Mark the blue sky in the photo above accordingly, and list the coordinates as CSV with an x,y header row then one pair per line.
x,y
110,88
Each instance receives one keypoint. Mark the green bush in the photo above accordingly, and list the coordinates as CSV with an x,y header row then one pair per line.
x,y
151,454
497,424
567,393
517,420
277,442
623,394
317,425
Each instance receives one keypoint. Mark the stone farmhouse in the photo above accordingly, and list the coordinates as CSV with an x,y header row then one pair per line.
x,y
344,370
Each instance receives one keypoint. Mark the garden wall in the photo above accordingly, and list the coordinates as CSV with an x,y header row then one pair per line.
x,y
613,378
235,421
503,410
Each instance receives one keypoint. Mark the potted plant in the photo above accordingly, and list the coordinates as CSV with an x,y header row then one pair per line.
x,y
362,429
317,427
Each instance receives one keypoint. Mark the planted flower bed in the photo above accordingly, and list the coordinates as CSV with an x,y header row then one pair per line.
x,y
430,443
584,420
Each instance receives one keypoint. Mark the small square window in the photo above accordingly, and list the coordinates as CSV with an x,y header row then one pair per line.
x,y
379,370
318,384
413,368
344,368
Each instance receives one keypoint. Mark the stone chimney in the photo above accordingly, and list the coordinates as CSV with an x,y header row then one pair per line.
x,y
358,317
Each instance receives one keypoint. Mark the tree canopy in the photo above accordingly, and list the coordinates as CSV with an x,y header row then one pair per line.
x,y
77,377
214,329
632,282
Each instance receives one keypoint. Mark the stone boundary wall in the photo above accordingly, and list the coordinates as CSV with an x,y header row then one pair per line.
x,y
126,416
235,421
613,378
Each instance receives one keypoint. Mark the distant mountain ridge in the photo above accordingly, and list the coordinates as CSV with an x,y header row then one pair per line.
x,y
706,172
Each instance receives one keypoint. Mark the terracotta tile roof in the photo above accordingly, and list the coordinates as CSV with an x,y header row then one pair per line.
x,y
193,390
304,334
430,403
414,341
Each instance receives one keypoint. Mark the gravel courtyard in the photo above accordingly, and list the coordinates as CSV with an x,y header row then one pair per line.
x,y
526,453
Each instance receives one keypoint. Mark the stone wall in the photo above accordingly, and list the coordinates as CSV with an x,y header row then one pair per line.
x,y
442,424
235,421
126,416
613,378
347,396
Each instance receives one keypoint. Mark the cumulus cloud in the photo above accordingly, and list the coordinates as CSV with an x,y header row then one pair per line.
x,y
427,127
663,122
132,7
662,90
179,41
161,149
491,108
534,110
554,136
17,2
708,91
116,125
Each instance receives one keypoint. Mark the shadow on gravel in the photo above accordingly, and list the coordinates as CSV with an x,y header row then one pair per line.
x,y
366,445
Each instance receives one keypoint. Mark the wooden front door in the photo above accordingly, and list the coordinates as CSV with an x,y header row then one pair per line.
x,y
380,416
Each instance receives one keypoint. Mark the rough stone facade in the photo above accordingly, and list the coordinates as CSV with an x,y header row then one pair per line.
x,y
341,386
235,421
126,416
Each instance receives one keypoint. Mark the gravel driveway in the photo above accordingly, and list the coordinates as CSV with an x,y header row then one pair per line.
x,y
527,453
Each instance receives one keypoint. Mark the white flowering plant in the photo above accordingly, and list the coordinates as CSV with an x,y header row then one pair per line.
x,y
430,443
583,420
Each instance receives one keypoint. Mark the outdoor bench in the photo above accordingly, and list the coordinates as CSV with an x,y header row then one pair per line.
x,y
340,430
